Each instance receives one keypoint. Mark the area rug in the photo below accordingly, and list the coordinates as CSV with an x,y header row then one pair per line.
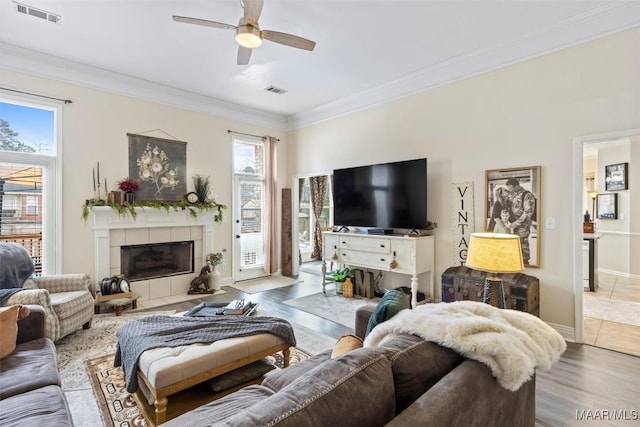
x,y
117,407
263,284
614,310
331,306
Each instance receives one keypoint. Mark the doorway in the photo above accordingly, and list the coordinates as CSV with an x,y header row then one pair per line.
x,y
248,209
608,311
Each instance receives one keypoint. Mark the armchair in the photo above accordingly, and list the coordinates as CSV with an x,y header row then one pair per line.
x,y
67,299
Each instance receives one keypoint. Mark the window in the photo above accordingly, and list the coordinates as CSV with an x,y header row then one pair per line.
x,y
28,158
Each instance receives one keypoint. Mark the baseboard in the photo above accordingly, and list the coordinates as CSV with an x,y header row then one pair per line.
x,y
568,333
619,273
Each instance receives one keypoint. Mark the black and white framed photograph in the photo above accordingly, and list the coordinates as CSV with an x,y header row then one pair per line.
x,y
615,177
512,206
607,207
159,165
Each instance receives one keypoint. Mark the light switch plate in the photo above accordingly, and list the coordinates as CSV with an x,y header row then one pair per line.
x,y
550,223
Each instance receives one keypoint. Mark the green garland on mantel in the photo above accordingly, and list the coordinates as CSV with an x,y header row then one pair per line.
x,y
130,208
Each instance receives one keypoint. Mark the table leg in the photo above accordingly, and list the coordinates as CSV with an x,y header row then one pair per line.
x,y
414,291
324,276
161,410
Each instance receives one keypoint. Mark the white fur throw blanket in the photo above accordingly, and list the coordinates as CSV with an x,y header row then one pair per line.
x,y
512,343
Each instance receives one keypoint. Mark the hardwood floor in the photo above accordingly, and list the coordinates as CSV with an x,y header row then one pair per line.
x,y
591,383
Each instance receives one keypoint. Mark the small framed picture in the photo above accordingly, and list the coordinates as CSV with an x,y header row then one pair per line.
x,y
615,177
607,206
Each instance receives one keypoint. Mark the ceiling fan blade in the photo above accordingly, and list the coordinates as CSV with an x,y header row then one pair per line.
x,y
252,10
244,54
203,22
288,39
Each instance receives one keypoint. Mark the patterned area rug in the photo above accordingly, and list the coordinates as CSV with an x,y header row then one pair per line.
x,y
117,407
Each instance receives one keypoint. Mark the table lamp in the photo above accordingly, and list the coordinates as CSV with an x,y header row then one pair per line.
x,y
495,253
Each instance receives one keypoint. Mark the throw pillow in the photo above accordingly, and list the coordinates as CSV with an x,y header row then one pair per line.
x,y
345,344
241,375
8,329
390,304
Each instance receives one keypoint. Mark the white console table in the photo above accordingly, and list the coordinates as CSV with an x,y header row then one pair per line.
x,y
401,254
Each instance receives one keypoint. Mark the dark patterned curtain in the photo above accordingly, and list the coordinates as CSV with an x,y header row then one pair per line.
x,y
318,186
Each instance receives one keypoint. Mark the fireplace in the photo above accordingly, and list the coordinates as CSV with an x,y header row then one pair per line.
x,y
150,261
112,232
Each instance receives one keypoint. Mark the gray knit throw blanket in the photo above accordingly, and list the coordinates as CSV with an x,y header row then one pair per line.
x,y
172,331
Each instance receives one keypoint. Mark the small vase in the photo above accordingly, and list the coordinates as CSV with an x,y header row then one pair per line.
x,y
339,286
129,197
214,278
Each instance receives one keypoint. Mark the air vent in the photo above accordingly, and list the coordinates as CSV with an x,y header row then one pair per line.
x,y
38,13
275,90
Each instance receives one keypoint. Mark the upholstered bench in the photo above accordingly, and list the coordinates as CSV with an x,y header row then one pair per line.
x,y
165,371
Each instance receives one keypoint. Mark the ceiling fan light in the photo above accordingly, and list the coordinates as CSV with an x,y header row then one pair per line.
x,y
248,36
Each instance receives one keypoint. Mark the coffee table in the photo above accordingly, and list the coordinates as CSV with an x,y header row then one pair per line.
x,y
165,372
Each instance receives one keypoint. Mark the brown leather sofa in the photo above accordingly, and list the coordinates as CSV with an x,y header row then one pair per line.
x,y
30,393
404,382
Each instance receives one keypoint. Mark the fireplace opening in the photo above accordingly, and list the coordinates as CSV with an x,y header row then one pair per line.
x,y
150,261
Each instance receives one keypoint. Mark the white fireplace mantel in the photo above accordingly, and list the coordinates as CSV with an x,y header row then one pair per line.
x,y
106,219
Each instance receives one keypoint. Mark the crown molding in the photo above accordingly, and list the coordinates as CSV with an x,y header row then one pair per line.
x,y
596,23
48,66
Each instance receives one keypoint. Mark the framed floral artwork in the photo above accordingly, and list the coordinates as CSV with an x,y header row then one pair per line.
x,y
512,206
159,165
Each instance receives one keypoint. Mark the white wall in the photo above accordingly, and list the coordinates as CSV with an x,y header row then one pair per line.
x,y
95,129
522,115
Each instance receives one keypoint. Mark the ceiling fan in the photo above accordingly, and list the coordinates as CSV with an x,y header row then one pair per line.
x,y
248,32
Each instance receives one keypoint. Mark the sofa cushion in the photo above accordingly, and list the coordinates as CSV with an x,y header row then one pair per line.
x,y
345,344
280,378
417,365
331,392
31,366
241,375
221,409
45,406
67,304
390,304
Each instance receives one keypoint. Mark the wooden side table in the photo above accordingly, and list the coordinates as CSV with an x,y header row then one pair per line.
x,y
118,301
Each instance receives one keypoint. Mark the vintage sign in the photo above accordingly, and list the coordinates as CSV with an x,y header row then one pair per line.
x,y
463,220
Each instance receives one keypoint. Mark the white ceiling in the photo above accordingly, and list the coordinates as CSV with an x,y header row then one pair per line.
x,y
367,51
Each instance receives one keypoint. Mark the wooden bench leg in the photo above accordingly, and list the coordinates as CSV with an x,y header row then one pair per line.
x,y
161,410
285,355
134,304
118,309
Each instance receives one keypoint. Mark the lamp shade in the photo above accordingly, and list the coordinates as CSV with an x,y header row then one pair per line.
x,y
495,253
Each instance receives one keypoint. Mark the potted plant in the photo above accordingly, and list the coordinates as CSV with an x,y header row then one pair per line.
x,y
339,276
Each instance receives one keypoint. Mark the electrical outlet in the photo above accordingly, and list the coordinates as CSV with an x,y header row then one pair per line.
x,y
223,266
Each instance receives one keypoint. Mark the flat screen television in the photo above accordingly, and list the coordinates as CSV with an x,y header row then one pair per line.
x,y
385,196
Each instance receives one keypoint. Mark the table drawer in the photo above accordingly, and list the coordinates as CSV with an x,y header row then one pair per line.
x,y
365,259
366,244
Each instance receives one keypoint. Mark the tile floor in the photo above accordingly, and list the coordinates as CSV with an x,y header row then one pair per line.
x,y
623,334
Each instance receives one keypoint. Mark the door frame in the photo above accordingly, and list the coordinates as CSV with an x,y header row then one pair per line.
x,y
295,200
578,166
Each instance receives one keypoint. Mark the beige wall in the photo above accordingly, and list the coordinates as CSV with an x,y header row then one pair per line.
x,y
522,115
95,129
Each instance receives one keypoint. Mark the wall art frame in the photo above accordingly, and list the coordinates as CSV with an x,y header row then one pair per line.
x,y
160,167
512,206
607,206
615,177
